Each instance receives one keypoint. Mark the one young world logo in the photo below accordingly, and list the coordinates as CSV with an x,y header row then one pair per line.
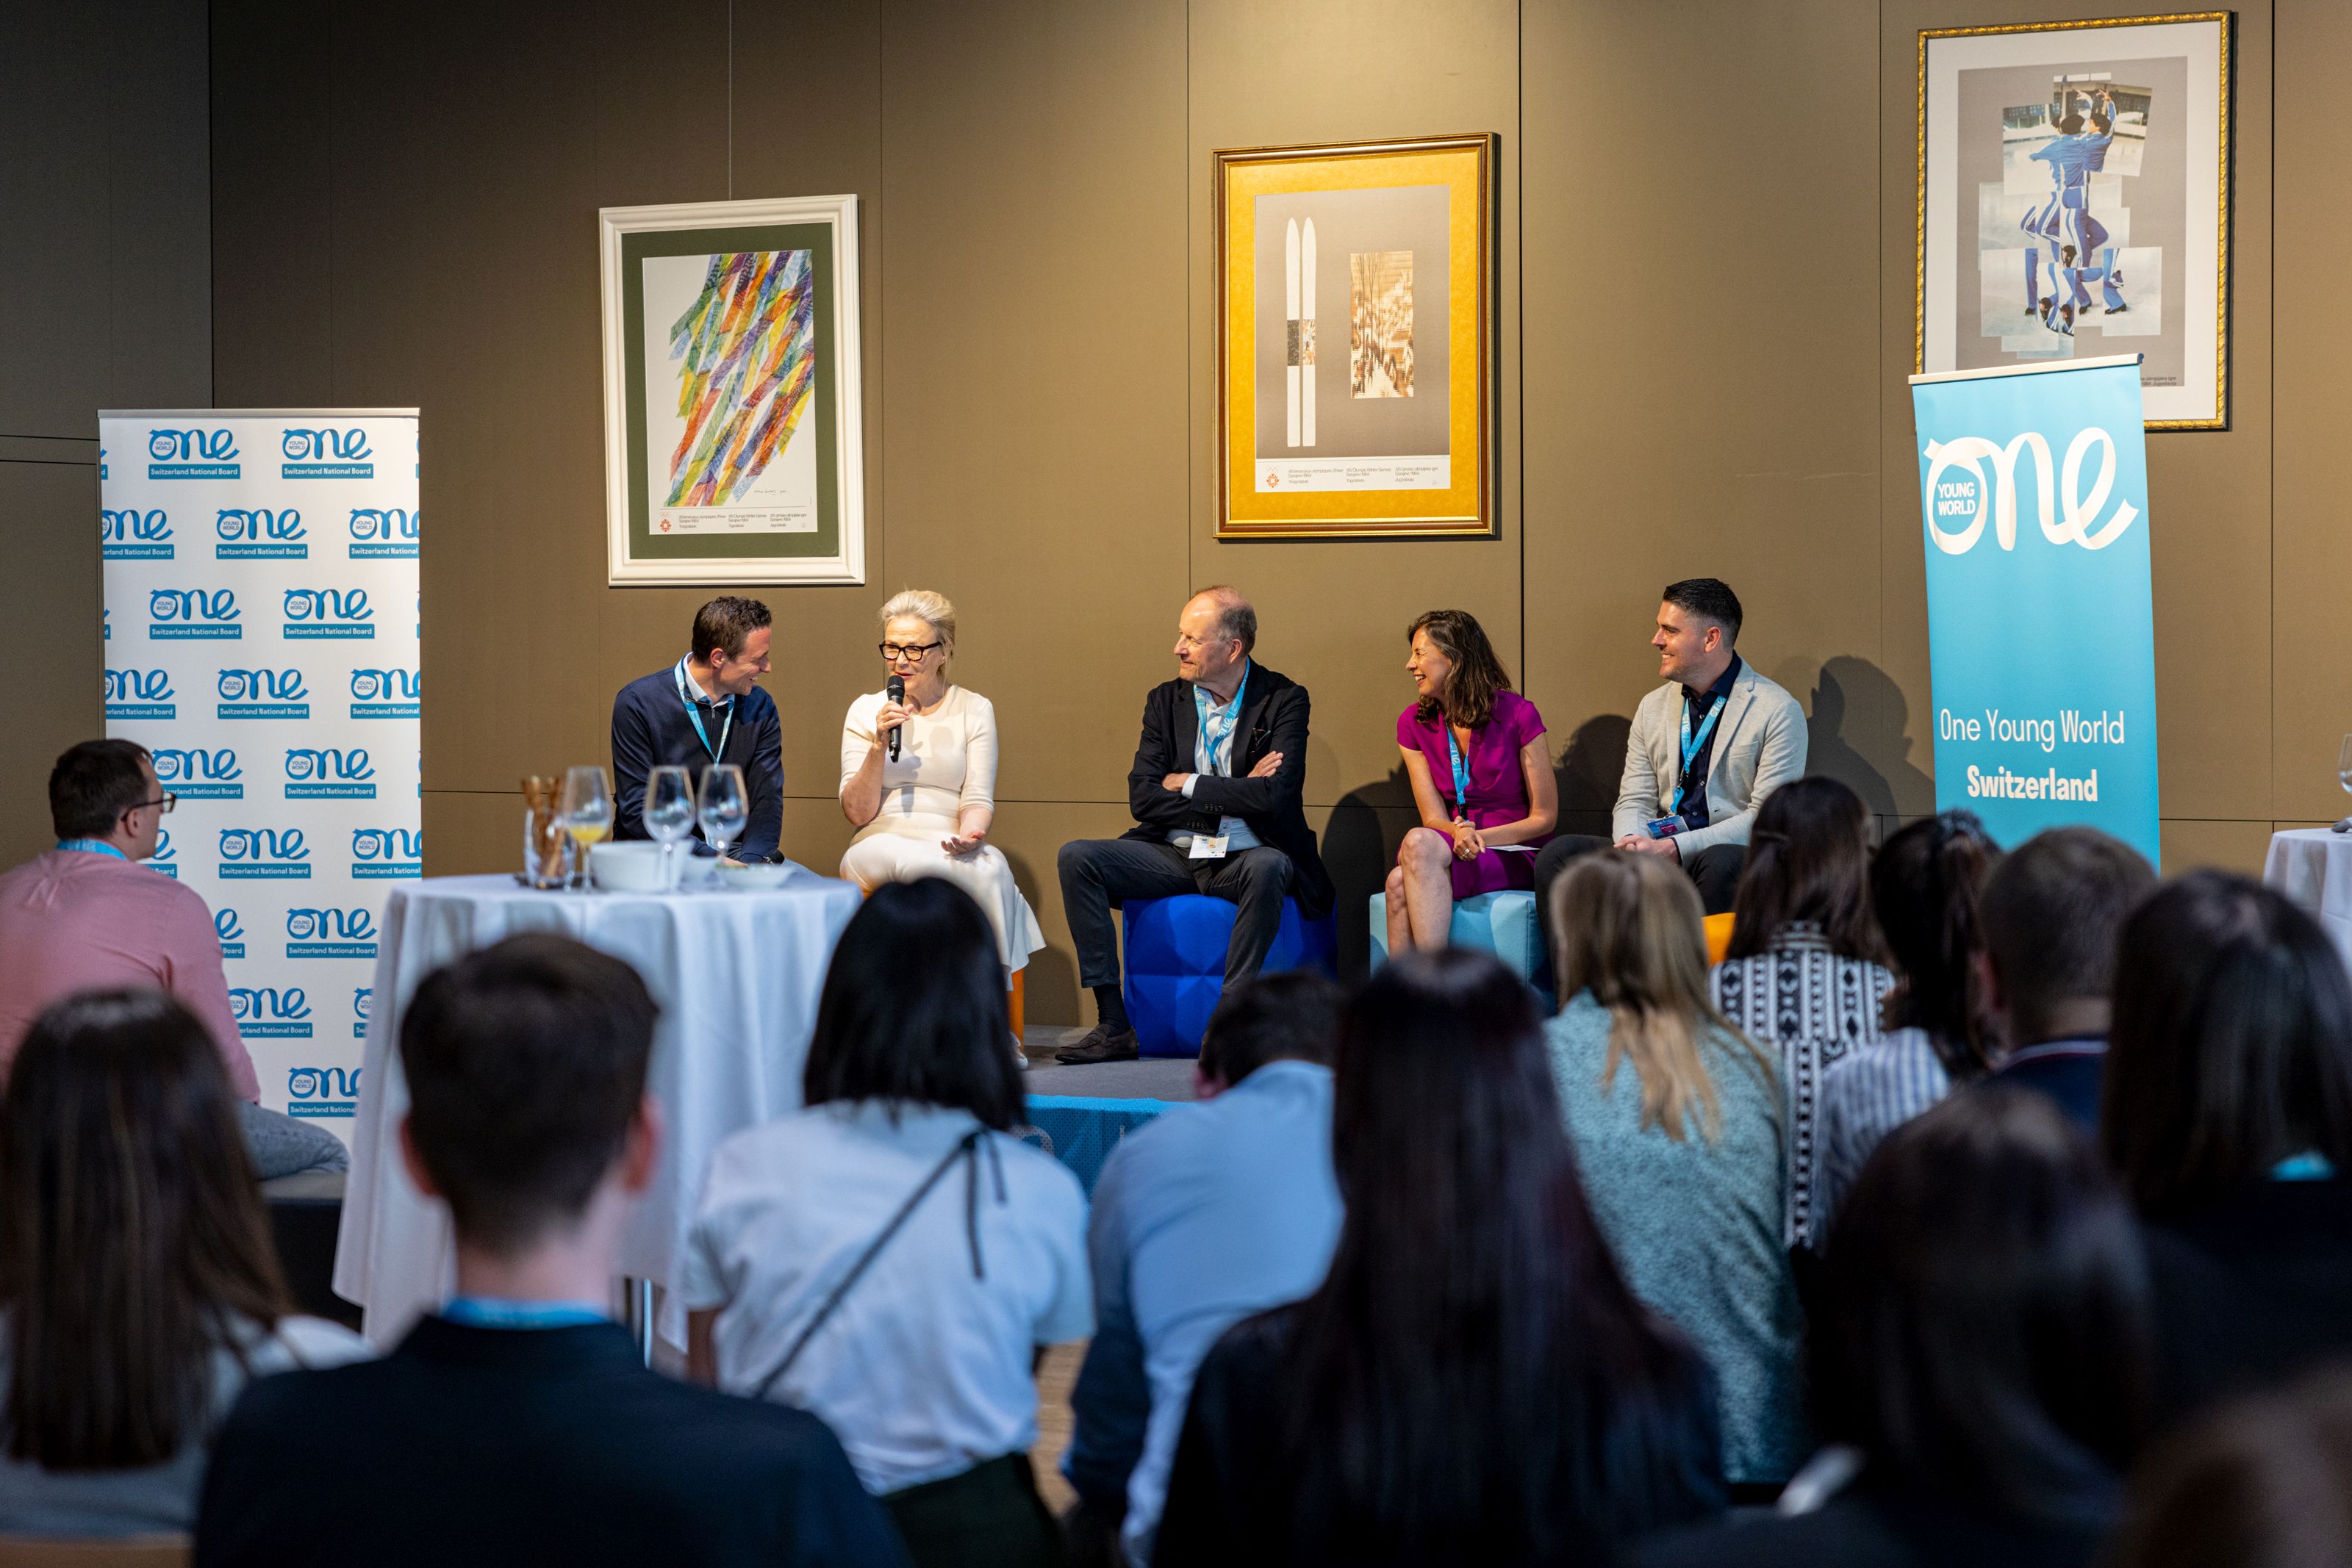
x,y
325,455
361,997
328,773
196,774
330,934
384,533
264,855
384,694
378,853
256,533
165,859
322,1091
134,534
194,614
270,1013
140,694
312,614
192,454
262,694
231,931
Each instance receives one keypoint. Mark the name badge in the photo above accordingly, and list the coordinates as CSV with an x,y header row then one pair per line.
x,y
1665,827
1209,846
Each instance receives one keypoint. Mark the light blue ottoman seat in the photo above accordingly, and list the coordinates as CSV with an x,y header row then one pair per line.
x,y
1503,924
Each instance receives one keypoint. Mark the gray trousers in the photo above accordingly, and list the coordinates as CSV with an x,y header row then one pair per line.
x,y
280,1144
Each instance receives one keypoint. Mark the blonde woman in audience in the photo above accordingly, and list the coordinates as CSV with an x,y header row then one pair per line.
x,y
927,812
138,1288
1676,1117
1805,972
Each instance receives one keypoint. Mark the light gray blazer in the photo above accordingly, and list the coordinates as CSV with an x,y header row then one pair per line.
x,y
1759,745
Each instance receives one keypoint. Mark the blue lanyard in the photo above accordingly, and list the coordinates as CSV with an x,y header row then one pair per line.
x,y
94,846
694,712
488,1312
1461,770
1219,734
1695,744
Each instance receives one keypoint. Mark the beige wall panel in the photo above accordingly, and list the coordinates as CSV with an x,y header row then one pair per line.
x,y
1036,365
48,515
2311,657
2209,491
1701,319
1333,614
2192,845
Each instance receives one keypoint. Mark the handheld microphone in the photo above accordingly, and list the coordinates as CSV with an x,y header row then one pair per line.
x,y
896,690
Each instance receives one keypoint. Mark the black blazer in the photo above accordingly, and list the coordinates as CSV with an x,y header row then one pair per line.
x,y
1272,718
505,1446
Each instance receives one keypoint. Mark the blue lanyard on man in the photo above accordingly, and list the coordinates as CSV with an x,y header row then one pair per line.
x,y
1217,730
1460,773
493,1312
1693,744
694,712
94,846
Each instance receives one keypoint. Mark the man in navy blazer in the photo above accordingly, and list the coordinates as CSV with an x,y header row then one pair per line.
x,y
703,709
1215,792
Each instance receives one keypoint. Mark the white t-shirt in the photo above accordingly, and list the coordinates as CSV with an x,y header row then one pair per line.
x,y
924,1370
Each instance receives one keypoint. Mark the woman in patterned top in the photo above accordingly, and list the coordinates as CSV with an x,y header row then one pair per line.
x,y
1806,968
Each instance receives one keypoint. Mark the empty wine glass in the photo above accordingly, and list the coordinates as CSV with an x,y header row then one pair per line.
x,y
670,814
587,808
2344,776
725,805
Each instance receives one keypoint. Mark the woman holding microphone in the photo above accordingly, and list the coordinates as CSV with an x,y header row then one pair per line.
x,y
925,809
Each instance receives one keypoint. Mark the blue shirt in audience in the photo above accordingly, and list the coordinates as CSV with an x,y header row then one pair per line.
x,y
1208,1214
2068,1071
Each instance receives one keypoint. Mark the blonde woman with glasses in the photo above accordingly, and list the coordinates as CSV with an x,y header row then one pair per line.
x,y
1676,1117
926,810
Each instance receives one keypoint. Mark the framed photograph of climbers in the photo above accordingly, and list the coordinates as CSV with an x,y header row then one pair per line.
x,y
1355,337
2074,201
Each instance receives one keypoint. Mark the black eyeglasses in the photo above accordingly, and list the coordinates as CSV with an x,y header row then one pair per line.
x,y
166,800
914,651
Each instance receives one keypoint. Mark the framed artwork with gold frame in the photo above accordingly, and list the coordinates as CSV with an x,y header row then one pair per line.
x,y
1356,339
2073,201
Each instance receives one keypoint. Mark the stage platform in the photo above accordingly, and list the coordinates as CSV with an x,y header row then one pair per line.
x,y
1086,1111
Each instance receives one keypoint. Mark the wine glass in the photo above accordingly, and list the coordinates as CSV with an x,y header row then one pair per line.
x,y
2344,776
669,814
587,809
725,805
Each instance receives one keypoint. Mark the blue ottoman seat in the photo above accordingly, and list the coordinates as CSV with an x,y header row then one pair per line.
x,y
1503,924
1175,963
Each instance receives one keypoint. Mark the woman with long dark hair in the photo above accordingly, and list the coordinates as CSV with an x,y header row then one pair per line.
x,y
140,1287
891,1257
1473,1383
1924,888
1474,751
2228,1117
1979,1356
1806,971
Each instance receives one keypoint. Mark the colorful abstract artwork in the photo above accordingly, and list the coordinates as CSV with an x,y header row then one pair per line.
x,y
744,355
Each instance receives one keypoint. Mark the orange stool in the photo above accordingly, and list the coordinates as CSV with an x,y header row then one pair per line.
x,y
1718,937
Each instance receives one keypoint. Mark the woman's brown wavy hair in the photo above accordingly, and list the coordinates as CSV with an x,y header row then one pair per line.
x,y
1468,698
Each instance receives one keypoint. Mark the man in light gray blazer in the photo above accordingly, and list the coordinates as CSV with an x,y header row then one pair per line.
x,y
1705,748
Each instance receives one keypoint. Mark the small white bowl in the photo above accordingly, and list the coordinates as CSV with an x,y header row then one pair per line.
x,y
634,867
754,877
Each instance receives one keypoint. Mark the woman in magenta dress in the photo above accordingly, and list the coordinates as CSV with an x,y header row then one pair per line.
x,y
1481,776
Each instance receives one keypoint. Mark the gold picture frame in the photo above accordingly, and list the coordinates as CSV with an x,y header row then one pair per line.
x,y
1386,426
2161,289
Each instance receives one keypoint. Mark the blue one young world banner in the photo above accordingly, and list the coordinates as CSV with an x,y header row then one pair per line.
x,y
2041,637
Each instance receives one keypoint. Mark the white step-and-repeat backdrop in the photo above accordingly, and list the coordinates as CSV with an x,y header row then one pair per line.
x,y
261,639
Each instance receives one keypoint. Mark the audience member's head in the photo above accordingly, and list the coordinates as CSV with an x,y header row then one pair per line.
x,y
2051,911
2231,1046
1809,863
913,1009
2263,1484
1981,1333
1451,1379
1629,929
526,1067
1925,885
132,1238
1290,1017
107,789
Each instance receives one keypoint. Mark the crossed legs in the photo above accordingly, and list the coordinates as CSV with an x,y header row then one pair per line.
x,y
1421,892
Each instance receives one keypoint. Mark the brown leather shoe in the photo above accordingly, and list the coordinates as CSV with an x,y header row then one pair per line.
x,y
1101,1044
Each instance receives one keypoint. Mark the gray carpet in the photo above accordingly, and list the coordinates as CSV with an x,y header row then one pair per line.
x,y
1153,1078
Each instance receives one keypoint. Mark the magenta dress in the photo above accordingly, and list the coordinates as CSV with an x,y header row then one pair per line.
x,y
1498,789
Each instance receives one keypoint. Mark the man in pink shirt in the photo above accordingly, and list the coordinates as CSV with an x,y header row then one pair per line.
x,y
87,917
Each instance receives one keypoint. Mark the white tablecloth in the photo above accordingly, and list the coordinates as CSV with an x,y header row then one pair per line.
x,y
737,976
2312,866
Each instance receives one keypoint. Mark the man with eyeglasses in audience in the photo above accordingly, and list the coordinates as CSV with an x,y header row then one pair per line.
x,y
86,915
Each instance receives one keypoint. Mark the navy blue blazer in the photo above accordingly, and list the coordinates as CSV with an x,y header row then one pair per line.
x,y
650,728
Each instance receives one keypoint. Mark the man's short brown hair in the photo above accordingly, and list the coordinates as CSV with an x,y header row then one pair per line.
x,y
721,625
93,784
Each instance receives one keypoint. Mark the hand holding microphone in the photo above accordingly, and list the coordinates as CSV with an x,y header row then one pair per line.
x,y
895,690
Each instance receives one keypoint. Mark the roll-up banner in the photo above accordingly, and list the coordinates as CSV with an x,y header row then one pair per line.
x,y
261,629
2041,636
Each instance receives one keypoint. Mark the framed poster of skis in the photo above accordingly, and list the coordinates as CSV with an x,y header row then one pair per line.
x,y
2073,201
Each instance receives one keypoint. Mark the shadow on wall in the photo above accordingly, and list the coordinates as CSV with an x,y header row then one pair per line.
x,y
1360,844
1589,770
1858,737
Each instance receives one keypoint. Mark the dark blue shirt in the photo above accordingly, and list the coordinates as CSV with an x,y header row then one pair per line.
x,y
1694,778
2068,1071
650,728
